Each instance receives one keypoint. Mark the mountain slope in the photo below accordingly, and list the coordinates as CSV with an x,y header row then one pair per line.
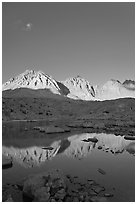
x,y
79,88
113,89
31,93
37,84
33,80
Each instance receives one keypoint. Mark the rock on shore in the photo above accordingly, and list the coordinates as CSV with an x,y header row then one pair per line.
x,y
54,186
52,129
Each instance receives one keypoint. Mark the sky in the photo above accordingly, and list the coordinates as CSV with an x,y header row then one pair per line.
x,y
95,40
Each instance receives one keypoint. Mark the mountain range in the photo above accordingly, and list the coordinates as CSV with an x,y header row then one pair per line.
x,y
38,84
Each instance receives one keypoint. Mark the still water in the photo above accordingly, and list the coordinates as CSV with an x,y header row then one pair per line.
x,y
71,153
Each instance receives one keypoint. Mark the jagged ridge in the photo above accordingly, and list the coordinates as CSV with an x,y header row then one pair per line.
x,y
80,88
33,80
75,88
113,89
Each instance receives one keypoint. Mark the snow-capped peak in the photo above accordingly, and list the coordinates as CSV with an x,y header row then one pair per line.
x,y
75,87
80,88
82,84
33,80
112,89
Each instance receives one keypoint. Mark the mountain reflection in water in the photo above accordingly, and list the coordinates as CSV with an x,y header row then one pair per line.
x,y
35,153
72,147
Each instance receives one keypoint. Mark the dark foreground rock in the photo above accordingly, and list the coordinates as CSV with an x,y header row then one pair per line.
x,y
54,186
11,193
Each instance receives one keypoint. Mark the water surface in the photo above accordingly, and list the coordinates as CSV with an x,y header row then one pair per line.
x,y
69,152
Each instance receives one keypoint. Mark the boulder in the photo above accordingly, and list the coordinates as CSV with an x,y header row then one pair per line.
x,y
11,194
60,194
47,148
32,184
9,199
98,199
36,128
101,199
41,186
42,194
6,162
91,182
99,125
101,171
131,148
88,125
99,147
51,129
129,137
108,195
97,188
75,199
76,124
94,140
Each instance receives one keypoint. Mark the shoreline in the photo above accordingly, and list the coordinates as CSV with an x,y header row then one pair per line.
x,y
92,126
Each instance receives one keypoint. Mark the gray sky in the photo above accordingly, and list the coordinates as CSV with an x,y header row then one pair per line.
x,y
93,40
